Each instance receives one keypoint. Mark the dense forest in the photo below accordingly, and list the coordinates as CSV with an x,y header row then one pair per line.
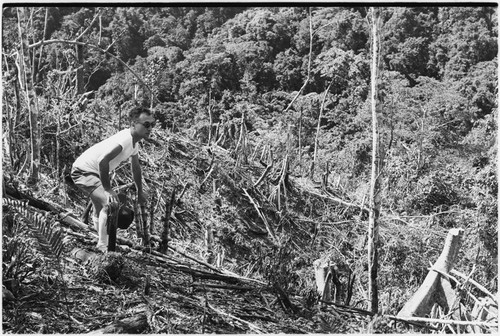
x,y
265,136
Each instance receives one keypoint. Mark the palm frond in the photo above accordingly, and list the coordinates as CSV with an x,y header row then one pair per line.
x,y
42,227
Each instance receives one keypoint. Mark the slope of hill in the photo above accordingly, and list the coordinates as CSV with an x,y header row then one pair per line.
x,y
243,238
257,277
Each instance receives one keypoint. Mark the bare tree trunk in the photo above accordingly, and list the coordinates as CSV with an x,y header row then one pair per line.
x,y
210,117
58,148
80,88
313,165
300,141
377,164
31,100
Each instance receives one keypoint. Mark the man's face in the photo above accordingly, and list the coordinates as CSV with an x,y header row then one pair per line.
x,y
144,125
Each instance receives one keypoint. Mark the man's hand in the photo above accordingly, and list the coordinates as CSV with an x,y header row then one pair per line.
x,y
111,196
142,198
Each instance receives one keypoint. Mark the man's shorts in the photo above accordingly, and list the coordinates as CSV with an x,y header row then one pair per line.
x,y
85,181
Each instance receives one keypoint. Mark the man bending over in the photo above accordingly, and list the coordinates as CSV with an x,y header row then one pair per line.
x,y
91,170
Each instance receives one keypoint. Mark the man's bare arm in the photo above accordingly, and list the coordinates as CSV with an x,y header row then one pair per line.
x,y
104,169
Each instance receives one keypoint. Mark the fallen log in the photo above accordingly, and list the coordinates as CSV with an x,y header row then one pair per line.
x,y
137,324
254,328
34,202
64,215
433,320
234,287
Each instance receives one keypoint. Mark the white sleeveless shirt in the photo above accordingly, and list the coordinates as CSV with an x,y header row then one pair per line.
x,y
90,159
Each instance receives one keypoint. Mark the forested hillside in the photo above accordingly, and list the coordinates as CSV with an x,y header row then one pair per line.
x,y
264,133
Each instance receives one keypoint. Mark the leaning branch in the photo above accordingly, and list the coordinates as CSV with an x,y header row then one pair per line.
x,y
479,286
432,320
97,15
252,326
338,200
264,174
261,215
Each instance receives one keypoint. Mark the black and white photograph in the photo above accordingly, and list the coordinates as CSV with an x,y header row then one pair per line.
x,y
249,168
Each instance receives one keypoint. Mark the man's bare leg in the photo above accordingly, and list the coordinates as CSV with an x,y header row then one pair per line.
x,y
101,207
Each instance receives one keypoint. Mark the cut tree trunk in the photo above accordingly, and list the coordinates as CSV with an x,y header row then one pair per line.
x,y
435,288
166,224
328,284
321,271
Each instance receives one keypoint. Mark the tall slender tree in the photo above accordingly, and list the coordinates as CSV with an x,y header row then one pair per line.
x,y
25,70
377,165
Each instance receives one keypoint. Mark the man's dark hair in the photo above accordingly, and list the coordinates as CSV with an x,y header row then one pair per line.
x,y
135,112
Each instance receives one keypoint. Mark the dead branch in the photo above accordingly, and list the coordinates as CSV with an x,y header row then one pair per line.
x,y
318,128
266,171
201,274
338,200
184,188
348,308
206,178
131,325
235,287
252,326
450,277
282,183
192,258
269,228
432,320
478,286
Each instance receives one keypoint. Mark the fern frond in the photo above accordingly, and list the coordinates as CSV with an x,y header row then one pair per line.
x,y
48,235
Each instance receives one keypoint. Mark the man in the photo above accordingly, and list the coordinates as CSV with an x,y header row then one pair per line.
x,y
91,170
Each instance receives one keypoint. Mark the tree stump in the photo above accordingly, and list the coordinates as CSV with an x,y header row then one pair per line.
x,y
320,273
435,288
328,284
105,267
108,267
